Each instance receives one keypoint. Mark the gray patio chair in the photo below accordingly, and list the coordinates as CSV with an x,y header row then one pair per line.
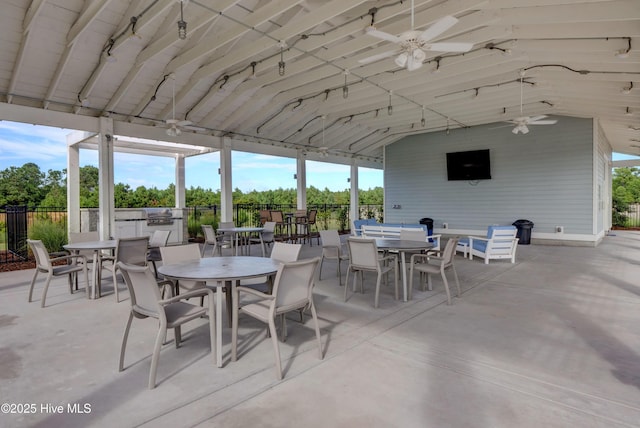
x,y
76,237
146,302
292,291
332,249
282,252
211,239
45,264
159,238
132,251
364,257
444,263
268,235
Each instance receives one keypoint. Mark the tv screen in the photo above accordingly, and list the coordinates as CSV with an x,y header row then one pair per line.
x,y
471,165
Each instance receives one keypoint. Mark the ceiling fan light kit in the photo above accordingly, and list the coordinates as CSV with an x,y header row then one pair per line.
x,y
413,44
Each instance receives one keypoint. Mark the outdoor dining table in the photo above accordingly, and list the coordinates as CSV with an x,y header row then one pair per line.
x,y
96,247
402,246
221,271
244,230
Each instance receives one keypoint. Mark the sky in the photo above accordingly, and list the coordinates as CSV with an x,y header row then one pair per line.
x,y
47,147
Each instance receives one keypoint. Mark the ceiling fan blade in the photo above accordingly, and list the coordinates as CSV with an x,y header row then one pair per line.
x,y
184,123
449,47
371,31
543,122
172,122
536,118
438,28
378,57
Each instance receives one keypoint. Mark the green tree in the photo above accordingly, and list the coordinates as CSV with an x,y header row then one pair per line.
x,y
625,192
22,185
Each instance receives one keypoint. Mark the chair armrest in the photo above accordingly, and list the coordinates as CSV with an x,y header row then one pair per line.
x,y
188,294
389,257
479,238
420,256
254,293
71,257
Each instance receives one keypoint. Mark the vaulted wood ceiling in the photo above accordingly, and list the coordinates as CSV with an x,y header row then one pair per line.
x,y
124,59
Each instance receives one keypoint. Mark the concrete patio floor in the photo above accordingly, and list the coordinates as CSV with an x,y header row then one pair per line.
x,y
550,341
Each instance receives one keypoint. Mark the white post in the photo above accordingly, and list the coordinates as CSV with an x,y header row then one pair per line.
x,y
180,191
354,209
301,181
106,225
226,193
73,188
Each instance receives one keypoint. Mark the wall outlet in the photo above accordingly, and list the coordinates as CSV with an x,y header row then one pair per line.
x,y
445,225
397,207
559,229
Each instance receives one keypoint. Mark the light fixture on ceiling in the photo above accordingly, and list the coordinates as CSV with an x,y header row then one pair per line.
x,y
345,88
390,107
624,53
423,122
436,69
173,130
627,89
322,150
281,64
447,126
182,25
252,76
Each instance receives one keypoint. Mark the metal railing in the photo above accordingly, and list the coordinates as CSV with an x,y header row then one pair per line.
x,y
16,223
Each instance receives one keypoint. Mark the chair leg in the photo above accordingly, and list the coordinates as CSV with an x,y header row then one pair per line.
x,y
455,275
177,334
346,282
314,315
115,283
276,348
339,272
162,331
320,269
46,287
124,342
377,296
446,286
33,282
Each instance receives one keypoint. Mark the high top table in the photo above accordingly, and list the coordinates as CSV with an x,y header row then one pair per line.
x,y
96,247
402,246
222,271
237,231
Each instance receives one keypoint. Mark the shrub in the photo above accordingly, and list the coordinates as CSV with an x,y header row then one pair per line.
x,y
52,234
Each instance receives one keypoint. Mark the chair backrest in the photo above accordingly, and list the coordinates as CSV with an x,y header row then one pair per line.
x,y
132,251
277,217
159,238
209,234
174,254
40,253
284,252
265,216
143,289
449,251
501,232
311,217
330,238
293,285
76,237
300,213
269,227
363,253
413,234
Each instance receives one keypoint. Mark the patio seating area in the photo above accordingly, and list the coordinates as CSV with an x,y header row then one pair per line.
x,y
552,340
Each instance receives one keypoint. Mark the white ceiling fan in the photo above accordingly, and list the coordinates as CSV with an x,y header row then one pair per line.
x,y
413,44
174,124
522,121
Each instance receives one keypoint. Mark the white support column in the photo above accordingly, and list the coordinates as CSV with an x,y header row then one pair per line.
x,y
226,192
106,225
73,188
180,191
301,181
354,210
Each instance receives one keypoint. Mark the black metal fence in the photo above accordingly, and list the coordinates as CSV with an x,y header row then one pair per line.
x,y
15,223
18,222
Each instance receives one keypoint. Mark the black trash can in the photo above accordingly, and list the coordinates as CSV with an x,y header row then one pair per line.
x,y
429,223
524,231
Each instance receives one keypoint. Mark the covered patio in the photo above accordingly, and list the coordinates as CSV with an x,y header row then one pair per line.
x,y
551,340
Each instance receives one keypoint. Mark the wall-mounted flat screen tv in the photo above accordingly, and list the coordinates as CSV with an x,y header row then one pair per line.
x,y
471,165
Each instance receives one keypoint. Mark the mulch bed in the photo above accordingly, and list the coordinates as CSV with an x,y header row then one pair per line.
x,y
10,262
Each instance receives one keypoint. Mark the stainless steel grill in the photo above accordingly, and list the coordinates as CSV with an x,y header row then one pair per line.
x,y
158,216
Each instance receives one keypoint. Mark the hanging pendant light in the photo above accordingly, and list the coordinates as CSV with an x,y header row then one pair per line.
x,y
423,122
390,107
182,25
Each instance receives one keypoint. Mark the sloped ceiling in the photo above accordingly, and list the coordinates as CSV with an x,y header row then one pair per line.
x,y
124,59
